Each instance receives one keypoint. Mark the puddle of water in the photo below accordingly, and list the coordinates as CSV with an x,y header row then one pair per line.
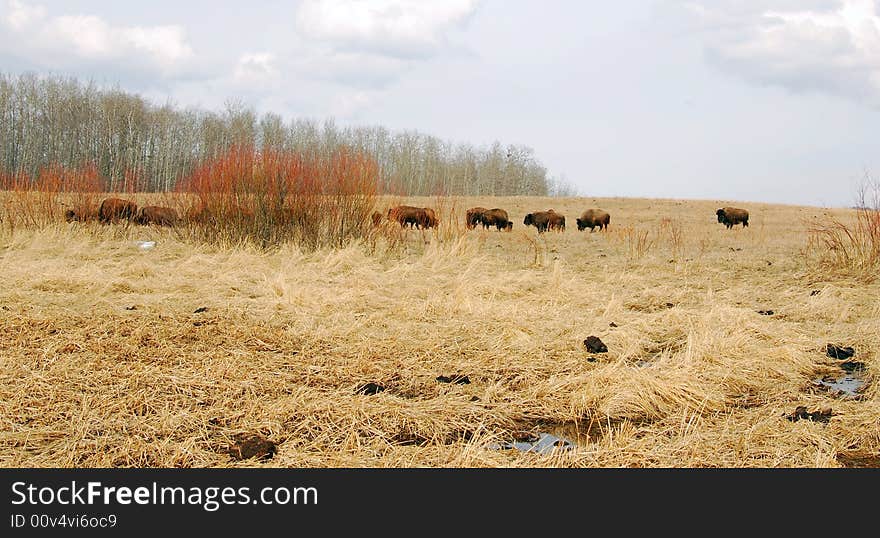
x,y
546,443
848,384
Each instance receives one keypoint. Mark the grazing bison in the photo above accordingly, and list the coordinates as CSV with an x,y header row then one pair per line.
x,y
377,218
78,215
474,216
154,214
731,216
592,218
415,217
545,220
404,214
114,209
498,218
430,219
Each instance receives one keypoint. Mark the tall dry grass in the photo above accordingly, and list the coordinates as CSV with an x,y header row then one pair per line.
x,y
44,199
120,357
852,246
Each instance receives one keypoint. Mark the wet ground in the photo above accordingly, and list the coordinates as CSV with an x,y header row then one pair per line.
x,y
849,383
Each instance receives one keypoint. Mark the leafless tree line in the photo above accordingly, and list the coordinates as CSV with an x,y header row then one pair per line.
x,y
63,121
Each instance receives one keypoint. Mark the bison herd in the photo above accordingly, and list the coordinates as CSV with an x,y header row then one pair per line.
x,y
113,210
422,218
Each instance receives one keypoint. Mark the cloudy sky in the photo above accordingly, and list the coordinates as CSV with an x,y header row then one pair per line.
x,y
775,101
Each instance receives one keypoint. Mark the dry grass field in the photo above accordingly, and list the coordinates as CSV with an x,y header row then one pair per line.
x,y
116,356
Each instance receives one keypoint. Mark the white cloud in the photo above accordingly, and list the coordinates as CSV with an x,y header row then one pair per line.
x,y
29,32
832,47
360,48
256,68
19,15
399,28
340,58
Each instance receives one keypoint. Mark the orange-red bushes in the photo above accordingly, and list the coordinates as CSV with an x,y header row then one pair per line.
x,y
272,196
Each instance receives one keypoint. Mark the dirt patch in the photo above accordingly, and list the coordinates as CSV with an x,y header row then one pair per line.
x,y
250,445
801,413
595,345
839,352
859,461
457,379
369,389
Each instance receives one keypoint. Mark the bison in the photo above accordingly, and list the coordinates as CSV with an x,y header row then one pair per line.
x,y
415,217
498,218
592,218
430,219
474,216
545,220
114,209
404,214
731,216
154,214
377,218
79,215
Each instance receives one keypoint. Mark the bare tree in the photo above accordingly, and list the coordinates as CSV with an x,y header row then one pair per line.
x,y
55,121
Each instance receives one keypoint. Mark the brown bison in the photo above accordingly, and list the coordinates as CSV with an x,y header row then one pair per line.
x,y
731,216
430,219
404,214
415,217
545,220
154,214
498,218
474,216
377,218
592,218
79,215
114,209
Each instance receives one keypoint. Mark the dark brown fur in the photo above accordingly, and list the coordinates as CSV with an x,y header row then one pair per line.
x,y
498,218
474,216
731,216
79,215
430,219
114,209
592,218
415,217
154,214
545,220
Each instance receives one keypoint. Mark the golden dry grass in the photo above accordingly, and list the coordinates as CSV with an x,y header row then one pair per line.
x,y
105,362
